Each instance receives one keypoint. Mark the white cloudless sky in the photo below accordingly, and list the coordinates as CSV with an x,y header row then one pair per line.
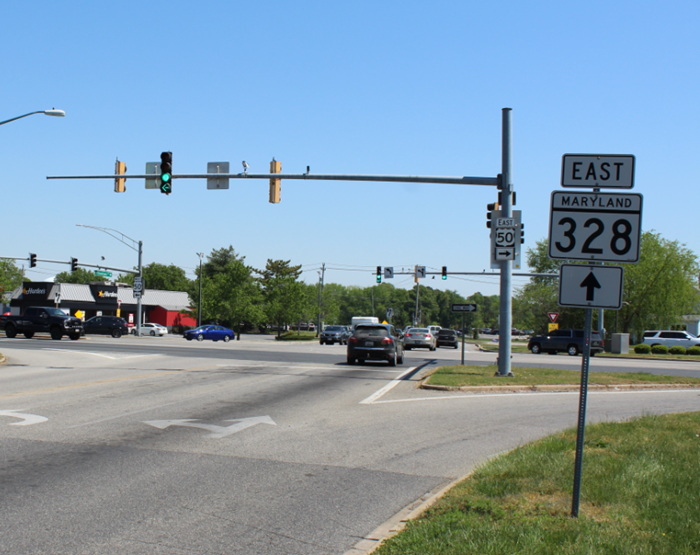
x,y
358,87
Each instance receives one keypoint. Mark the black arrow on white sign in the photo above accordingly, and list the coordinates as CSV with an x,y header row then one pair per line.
x,y
590,283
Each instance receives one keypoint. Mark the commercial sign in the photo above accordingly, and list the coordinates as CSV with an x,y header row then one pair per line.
x,y
104,294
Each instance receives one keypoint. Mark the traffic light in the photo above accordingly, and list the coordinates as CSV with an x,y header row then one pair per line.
x,y
119,182
522,233
490,207
32,260
73,264
379,274
166,172
275,184
444,272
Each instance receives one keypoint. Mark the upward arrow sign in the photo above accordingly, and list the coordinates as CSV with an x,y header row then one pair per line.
x,y
590,283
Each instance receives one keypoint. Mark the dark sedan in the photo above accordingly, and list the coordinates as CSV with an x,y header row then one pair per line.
x,y
106,325
213,332
375,342
447,338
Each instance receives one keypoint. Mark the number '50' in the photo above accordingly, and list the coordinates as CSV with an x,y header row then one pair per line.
x,y
620,242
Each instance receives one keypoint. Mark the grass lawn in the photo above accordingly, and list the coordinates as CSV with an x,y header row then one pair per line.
x,y
298,336
639,496
456,376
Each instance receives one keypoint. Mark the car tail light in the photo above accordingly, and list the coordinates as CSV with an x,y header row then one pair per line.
x,y
352,339
427,336
387,341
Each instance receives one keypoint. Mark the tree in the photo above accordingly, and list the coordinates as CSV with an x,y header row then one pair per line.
x,y
285,297
81,275
218,261
11,276
657,291
165,278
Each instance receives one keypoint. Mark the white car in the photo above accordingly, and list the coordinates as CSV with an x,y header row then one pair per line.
x,y
671,338
151,329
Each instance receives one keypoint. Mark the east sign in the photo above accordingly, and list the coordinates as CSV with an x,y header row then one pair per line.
x,y
613,171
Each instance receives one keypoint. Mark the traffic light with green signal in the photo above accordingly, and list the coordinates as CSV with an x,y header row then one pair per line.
x,y
444,272
166,172
379,274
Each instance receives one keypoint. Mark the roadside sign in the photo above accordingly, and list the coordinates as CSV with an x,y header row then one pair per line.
x,y
598,170
552,327
505,238
603,227
420,271
138,284
463,308
388,272
154,169
217,182
553,316
586,286
103,273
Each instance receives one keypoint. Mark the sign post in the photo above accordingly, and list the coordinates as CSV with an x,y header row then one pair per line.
x,y
463,308
594,227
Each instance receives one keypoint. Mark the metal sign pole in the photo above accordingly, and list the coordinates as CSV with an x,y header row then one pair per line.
x,y
463,338
582,411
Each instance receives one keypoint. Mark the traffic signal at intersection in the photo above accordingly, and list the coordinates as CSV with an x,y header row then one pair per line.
x,y
166,172
490,207
444,272
275,184
73,264
379,274
32,260
119,182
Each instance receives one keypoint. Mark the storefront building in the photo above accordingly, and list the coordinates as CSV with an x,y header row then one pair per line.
x,y
85,301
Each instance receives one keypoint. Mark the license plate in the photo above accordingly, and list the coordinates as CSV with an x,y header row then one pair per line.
x,y
369,343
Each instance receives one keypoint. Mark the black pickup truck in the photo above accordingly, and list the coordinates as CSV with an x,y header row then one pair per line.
x,y
43,320
564,341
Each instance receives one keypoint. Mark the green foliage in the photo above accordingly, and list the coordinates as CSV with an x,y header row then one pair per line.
x,y
81,275
657,291
677,350
10,275
659,349
635,497
160,277
693,351
642,349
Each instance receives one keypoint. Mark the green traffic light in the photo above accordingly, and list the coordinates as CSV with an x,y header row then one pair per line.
x,y
165,177
444,277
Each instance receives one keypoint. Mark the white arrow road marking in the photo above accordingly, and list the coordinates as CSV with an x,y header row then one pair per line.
x,y
27,419
217,432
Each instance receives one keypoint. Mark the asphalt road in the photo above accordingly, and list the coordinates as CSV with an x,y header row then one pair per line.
x,y
158,445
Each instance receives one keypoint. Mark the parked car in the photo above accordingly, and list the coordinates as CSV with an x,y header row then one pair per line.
x,y
211,331
375,342
447,338
670,338
419,338
152,329
564,341
105,325
334,334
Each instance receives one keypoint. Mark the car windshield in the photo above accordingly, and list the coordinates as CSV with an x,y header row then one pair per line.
x,y
334,328
419,330
366,331
55,312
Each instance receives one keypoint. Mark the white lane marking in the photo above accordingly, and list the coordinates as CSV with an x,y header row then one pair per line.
x,y
388,387
217,431
27,419
531,394
98,354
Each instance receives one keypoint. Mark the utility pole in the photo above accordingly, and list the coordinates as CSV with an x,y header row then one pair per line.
x,y
321,275
199,305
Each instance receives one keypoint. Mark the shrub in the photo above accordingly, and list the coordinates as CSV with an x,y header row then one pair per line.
x,y
677,350
642,349
693,351
659,349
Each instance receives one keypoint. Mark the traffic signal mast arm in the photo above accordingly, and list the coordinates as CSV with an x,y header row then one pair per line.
x,y
70,263
486,181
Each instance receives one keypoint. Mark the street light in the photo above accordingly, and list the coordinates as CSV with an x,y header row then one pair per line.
x,y
52,112
199,305
112,232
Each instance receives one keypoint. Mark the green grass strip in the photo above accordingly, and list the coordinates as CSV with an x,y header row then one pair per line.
x,y
456,376
639,496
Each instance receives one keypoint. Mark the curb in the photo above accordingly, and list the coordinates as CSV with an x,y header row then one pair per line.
x,y
555,387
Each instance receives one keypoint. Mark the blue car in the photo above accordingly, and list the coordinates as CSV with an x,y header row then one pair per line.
x,y
211,331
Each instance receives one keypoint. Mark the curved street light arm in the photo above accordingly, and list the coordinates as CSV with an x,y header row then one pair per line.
x,y
53,112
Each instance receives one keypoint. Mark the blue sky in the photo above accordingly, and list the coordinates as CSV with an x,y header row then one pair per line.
x,y
343,87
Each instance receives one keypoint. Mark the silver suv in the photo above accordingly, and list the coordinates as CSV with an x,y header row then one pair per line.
x,y
334,334
671,338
